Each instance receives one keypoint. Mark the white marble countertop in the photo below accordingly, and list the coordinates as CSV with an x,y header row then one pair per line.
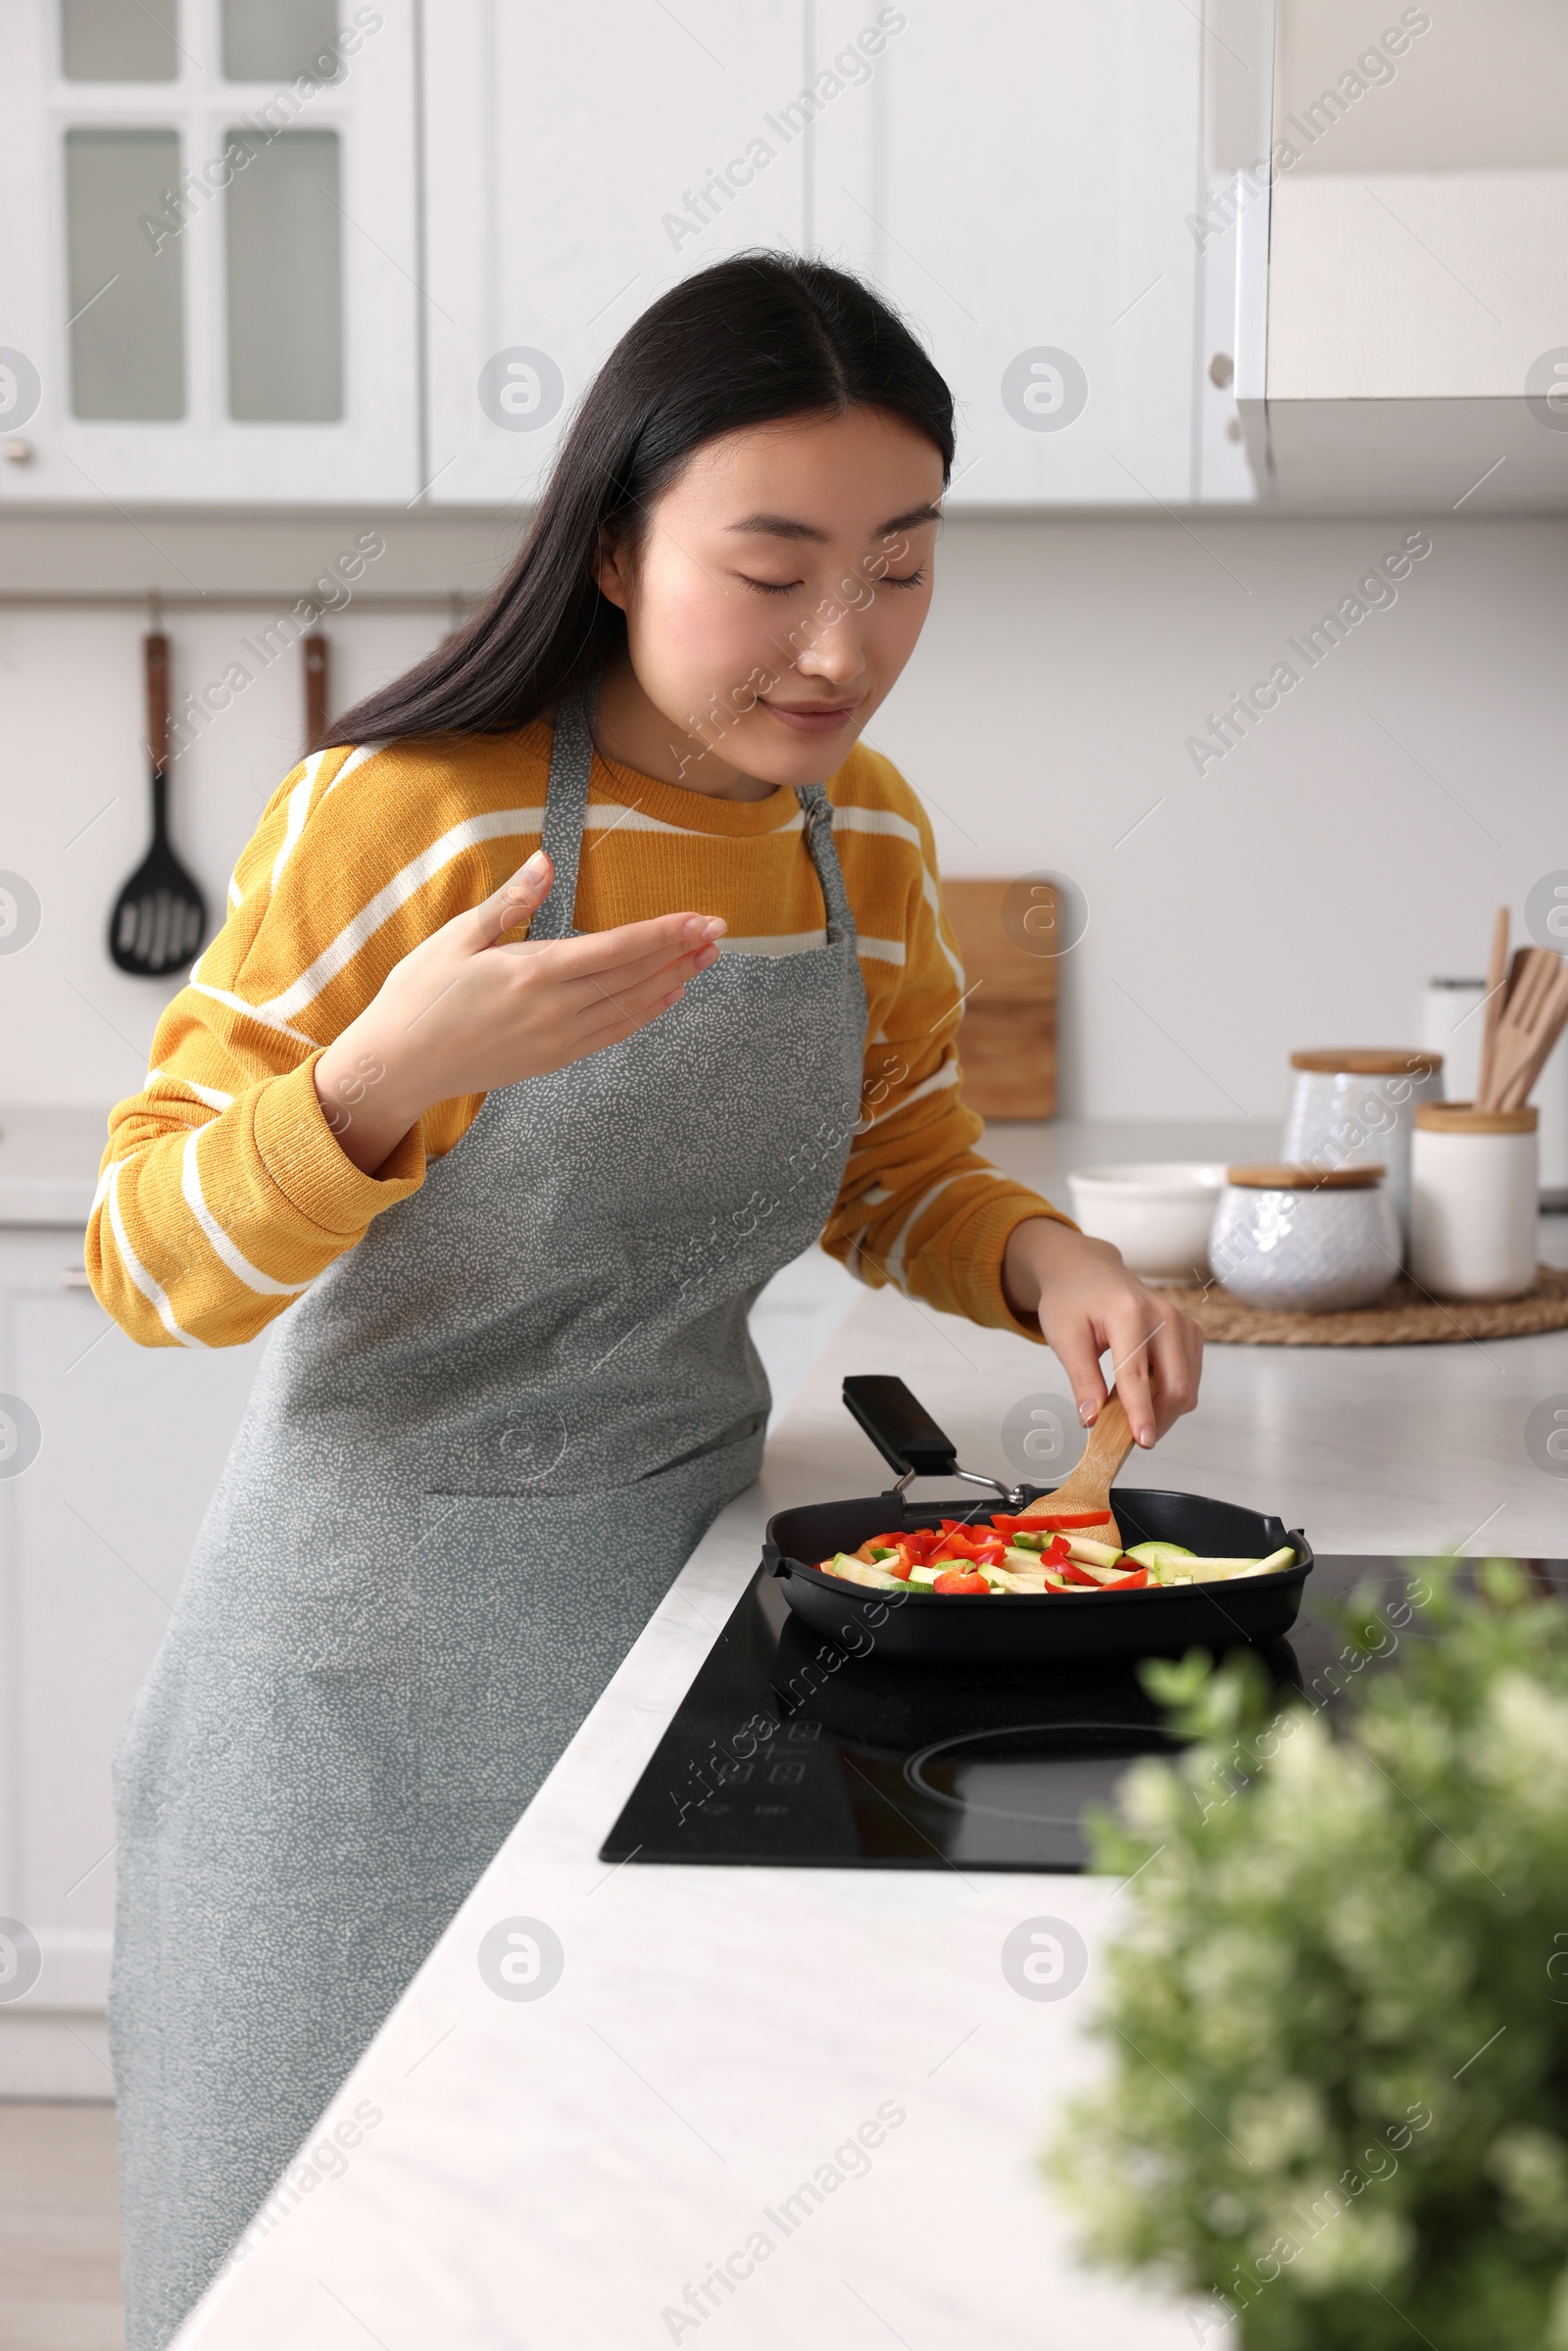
x,y
49,1156
556,2173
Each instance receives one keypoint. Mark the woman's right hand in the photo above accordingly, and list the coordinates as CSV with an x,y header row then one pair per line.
x,y
468,1011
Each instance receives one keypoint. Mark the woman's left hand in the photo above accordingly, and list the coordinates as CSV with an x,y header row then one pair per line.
x,y
1088,1305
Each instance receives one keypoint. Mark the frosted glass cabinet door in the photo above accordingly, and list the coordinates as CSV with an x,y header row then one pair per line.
x,y
209,213
279,40
285,281
104,40
128,313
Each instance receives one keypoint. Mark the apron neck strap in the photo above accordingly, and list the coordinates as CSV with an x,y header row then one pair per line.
x,y
817,809
571,755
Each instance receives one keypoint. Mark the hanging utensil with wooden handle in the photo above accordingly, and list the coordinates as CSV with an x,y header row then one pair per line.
x,y
317,686
160,917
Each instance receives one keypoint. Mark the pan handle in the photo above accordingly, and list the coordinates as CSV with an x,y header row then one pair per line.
x,y
900,1427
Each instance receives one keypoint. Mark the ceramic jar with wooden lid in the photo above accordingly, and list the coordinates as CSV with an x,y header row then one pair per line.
x,y
1353,1107
1473,1201
1297,1240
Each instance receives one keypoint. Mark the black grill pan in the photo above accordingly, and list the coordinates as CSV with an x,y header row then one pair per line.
x,y
1024,1628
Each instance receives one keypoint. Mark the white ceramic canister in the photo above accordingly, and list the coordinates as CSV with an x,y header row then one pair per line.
x,y
1473,1202
1353,1107
1301,1241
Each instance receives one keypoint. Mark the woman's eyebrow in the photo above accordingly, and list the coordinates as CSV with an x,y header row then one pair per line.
x,y
778,526
786,526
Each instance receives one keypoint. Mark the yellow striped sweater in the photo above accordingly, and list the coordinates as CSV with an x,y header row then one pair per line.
x,y
224,1193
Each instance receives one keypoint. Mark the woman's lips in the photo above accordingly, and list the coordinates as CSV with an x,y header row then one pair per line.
x,y
812,719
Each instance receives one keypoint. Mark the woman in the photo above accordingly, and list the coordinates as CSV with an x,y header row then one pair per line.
x,y
512,1197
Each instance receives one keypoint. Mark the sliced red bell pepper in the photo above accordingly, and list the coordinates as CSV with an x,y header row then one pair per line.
x,y
1074,1574
1128,1582
959,1580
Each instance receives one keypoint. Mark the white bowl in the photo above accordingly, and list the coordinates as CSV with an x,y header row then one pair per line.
x,y
1156,1211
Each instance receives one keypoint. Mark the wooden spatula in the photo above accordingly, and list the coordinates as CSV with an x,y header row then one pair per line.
x,y
1110,1441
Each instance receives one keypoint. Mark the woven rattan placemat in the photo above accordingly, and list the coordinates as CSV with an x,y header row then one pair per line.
x,y
1404,1316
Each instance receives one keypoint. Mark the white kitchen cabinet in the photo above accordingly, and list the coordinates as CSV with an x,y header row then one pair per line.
x,y
211,224
576,162
95,1528
1019,181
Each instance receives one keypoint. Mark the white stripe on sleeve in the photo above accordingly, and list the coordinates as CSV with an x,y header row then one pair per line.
x,y
356,759
893,1263
257,1012
190,1184
208,1095
947,1075
341,951
933,898
299,808
157,1298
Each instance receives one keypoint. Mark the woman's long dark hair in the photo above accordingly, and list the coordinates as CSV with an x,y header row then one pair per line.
x,y
748,341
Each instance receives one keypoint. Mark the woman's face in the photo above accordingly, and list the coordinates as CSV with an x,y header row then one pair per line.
x,y
779,589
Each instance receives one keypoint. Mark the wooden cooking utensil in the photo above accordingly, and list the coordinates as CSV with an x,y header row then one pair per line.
x,y
1110,1441
1532,981
1551,1017
160,917
1496,988
317,686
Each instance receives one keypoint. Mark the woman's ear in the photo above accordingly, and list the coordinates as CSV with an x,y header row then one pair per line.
x,y
611,567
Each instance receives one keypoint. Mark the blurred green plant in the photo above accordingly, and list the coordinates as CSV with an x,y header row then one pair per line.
x,y
1336,2026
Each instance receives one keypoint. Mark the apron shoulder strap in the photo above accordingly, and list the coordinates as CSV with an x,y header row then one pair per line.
x,y
571,755
817,809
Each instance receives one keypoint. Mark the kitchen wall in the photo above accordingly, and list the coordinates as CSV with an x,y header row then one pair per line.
x,y
1296,890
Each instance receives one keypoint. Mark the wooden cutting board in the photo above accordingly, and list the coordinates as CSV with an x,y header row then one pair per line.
x,y
1008,1036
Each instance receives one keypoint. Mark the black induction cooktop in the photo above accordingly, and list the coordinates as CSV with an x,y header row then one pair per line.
x,y
787,1753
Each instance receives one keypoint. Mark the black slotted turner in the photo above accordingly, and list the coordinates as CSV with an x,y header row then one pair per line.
x,y
160,917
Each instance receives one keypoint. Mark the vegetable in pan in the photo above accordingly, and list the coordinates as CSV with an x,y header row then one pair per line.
x,y
968,1560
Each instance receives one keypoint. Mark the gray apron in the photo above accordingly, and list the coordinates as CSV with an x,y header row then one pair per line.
x,y
477,1453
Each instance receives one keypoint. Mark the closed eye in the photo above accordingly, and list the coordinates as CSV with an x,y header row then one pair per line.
x,y
788,587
